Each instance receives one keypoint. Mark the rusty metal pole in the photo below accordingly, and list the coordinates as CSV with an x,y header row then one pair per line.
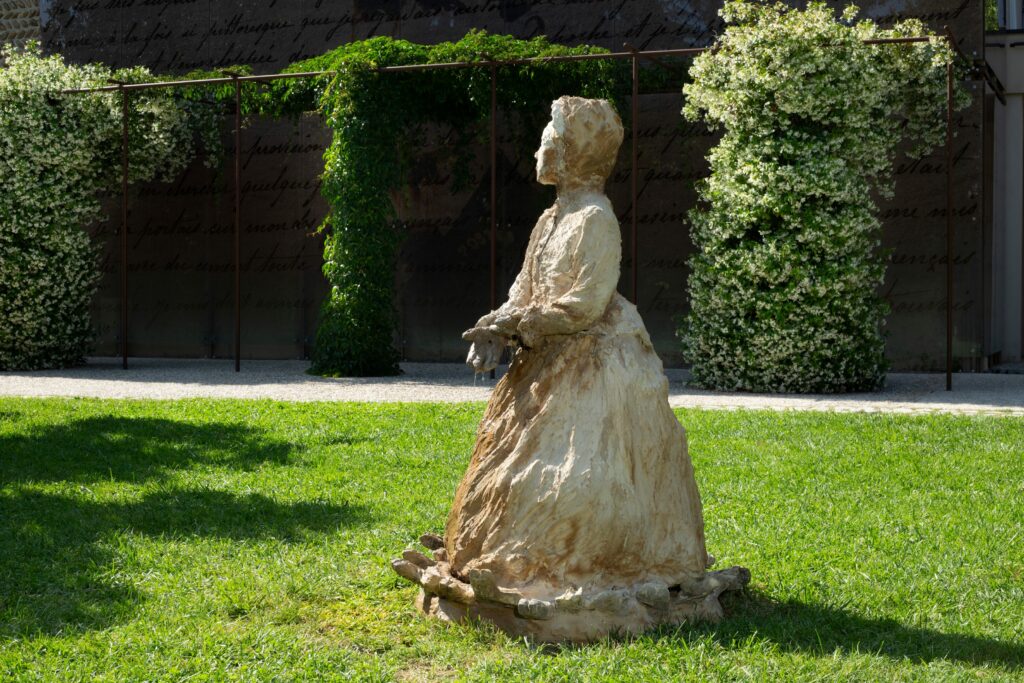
x,y
238,222
494,189
949,218
633,175
124,227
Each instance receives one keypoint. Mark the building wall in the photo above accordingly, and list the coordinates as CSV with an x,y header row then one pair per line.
x,y
1006,55
180,280
19,21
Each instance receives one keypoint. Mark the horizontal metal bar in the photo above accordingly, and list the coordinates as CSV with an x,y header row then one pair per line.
x,y
649,54
642,54
955,45
276,77
425,67
198,81
147,85
104,88
980,66
890,41
502,62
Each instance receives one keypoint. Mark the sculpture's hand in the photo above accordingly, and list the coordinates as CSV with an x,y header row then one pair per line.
x,y
486,348
485,321
506,324
529,329
503,323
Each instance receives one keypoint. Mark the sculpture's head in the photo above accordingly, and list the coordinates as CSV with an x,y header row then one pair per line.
x,y
579,144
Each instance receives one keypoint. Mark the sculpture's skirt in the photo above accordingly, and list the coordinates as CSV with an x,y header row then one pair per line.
x,y
580,479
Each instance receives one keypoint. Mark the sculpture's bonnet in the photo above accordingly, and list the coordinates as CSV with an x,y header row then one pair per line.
x,y
591,133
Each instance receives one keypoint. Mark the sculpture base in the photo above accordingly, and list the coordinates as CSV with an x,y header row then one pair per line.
x,y
580,627
572,617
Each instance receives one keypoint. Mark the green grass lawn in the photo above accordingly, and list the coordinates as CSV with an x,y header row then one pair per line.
x,y
249,540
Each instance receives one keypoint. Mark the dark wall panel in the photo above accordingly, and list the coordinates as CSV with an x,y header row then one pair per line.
x,y
181,285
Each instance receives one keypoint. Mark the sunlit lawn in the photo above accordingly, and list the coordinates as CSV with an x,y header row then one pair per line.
x,y
249,540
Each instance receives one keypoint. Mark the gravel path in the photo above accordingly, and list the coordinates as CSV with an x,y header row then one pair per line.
x,y
1000,394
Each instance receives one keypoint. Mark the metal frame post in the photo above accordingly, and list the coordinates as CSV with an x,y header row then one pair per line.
x,y
494,189
949,214
124,228
124,222
633,174
238,222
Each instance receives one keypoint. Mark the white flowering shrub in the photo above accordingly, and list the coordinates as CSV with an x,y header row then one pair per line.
x,y
784,285
58,153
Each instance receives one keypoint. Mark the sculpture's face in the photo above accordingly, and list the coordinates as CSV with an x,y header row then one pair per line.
x,y
550,156
579,144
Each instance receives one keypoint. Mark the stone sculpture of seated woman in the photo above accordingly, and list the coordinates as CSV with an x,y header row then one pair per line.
x,y
579,515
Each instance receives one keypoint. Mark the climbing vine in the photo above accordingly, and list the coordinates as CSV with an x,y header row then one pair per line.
x,y
72,143
58,154
376,119
784,286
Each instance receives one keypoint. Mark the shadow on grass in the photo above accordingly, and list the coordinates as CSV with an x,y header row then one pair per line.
x,y
221,514
822,631
131,449
58,572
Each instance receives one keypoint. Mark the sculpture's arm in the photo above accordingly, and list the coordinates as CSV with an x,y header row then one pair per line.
x,y
595,263
506,317
496,329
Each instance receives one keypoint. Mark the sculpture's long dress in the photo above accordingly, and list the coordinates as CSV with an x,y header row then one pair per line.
x,y
580,476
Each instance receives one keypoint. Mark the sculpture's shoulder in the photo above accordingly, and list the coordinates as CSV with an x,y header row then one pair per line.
x,y
594,208
591,231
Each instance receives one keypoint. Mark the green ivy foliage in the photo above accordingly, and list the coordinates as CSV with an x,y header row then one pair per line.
x,y
784,285
58,154
377,119
991,15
